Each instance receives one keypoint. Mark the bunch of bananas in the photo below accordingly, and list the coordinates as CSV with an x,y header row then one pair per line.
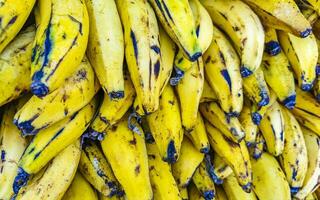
x,y
160,99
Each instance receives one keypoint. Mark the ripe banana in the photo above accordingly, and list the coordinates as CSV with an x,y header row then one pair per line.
x,y
165,126
223,73
282,14
51,184
80,189
249,127
269,181
276,70
221,169
236,155
178,21
12,146
308,120
257,150
52,140
312,4
272,127
302,54
310,14
13,15
15,66
229,126
106,46
76,92
162,181
257,112
194,193
97,171
60,43
316,89
184,193
127,155
141,36
243,27
208,94
294,159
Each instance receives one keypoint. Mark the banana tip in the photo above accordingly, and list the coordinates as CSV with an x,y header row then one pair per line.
x,y
256,118
114,95
39,89
264,99
306,32
20,180
205,150
290,101
195,56
177,75
245,72
25,127
247,187
294,190
272,48
208,195
306,87
172,155
318,69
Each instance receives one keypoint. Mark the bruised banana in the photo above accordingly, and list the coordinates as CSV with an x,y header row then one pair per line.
x,y
13,16
257,150
51,185
223,73
141,36
249,127
106,46
15,66
80,189
236,155
165,126
243,27
60,43
12,146
76,92
131,170
221,169
208,94
52,140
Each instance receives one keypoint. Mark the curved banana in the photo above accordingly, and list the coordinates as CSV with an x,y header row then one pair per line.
x,y
76,92
302,54
234,154
165,126
15,66
221,169
48,186
106,46
127,155
222,70
249,127
52,140
258,147
309,13
208,94
269,181
80,189
308,120
257,112
60,43
243,27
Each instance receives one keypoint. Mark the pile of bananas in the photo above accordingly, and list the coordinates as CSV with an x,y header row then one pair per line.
x,y
159,99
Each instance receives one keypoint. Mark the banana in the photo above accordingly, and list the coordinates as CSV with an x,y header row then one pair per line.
x,y
308,120
234,191
257,112
15,66
162,181
127,155
190,158
309,13
77,91
258,147
106,46
221,169
165,126
311,4
178,21
272,127
294,159
184,193
111,111
80,189
208,94
49,142
274,64
199,136
234,154
316,89
102,197
269,181
97,171
60,43
141,36
302,54
282,14
249,127
223,73
229,126
12,146
189,91
56,179
13,16
311,181
221,194
243,27
311,196
194,193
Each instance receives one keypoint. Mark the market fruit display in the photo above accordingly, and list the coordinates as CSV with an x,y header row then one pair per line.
x,y
159,99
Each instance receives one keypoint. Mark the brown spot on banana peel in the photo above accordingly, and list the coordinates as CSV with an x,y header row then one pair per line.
x,y
137,170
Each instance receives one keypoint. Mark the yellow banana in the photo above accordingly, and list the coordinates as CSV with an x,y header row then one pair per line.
x,y
223,73
269,181
77,91
221,169
165,126
208,94
257,112
243,27
258,147
127,155
234,154
80,189
60,43
308,120
15,66
249,127
309,13
302,54
194,193
221,194
184,193
106,46
312,4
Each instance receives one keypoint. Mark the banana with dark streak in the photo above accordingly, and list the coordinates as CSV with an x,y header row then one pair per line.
x,y
249,127
208,94
194,193
258,148
221,169
310,14
312,4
